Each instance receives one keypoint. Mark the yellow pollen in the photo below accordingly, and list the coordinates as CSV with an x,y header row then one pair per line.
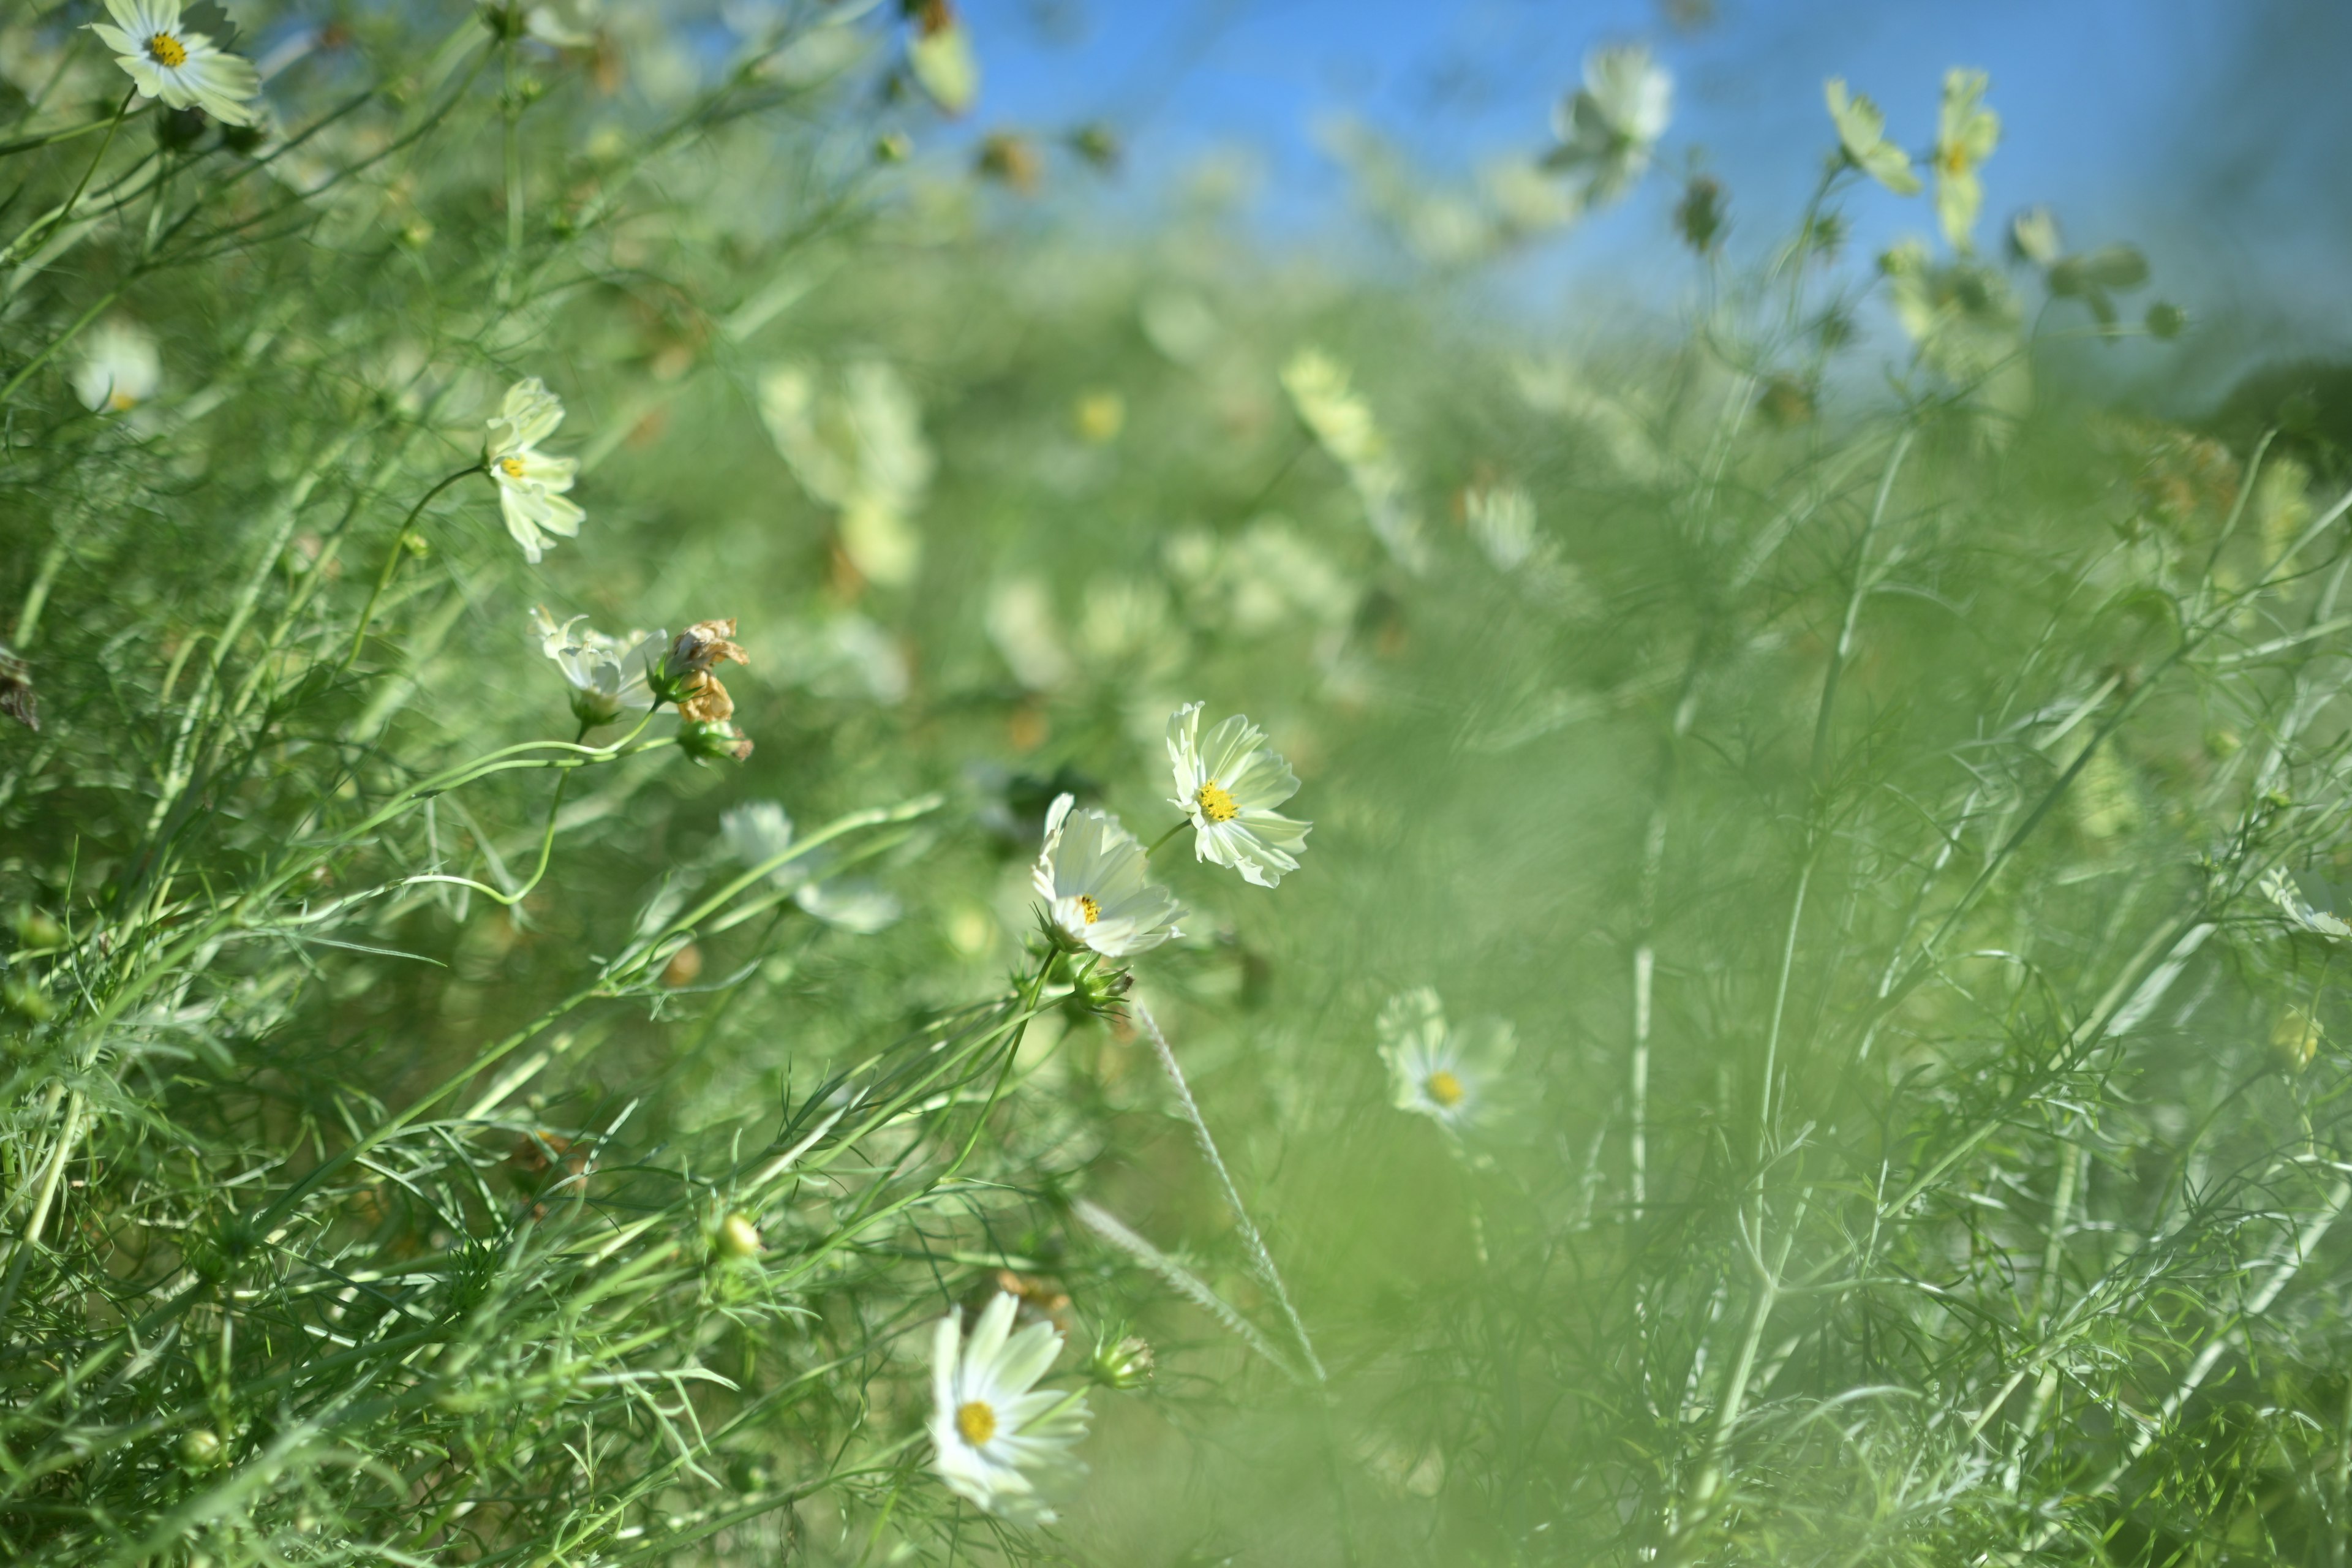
x,y
513,467
167,50
977,1422
1443,1087
1956,161
1088,906
1216,804
120,402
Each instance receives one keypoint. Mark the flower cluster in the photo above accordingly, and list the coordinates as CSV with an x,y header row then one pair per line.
x,y
644,669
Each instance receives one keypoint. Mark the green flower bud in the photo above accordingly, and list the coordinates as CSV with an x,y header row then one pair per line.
x,y
200,1449
1125,1362
737,1237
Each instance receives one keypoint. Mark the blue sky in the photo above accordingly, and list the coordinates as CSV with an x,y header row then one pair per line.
x,y
2140,120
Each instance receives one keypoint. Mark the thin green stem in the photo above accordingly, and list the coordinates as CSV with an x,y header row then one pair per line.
x,y
392,564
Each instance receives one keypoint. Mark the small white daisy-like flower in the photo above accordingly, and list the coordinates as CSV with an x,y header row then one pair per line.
x,y
1609,128
183,68
119,370
2280,888
531,483
760,831
1966,134
1229,785
1862,135
1091,876
606,673
1452,1075
1000,1438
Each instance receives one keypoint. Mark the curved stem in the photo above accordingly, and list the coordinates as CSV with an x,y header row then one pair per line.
x,y
1163,838
42,228
391,565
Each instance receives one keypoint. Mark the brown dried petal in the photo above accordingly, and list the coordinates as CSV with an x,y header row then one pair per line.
x,y
704,644
704,700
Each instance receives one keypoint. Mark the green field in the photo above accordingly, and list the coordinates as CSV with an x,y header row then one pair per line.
x,y
1800,1033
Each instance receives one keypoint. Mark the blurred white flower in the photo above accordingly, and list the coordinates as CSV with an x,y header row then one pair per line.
x,y
1966,134
2033,236
1502,522
1229,785
760,831
1091,875
1862,132
1001,1440
855,446
1967,322
2280,888
1609,128
606,673
119,370
183,68
1020,622
1342,423
1452,1075
531,483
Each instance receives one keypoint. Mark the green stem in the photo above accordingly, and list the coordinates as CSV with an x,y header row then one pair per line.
x,y
392,564
1158,843
41,231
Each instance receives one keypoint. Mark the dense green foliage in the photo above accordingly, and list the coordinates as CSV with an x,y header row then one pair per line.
x,y
1925,1140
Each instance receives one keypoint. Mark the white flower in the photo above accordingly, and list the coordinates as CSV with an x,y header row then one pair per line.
x,y
2280,888
119,370
1861,133
998,1437
1452,1075
1229,787
1502,518
1966,134
531,483
1091,876
606,673
183,68
760,831
1608,127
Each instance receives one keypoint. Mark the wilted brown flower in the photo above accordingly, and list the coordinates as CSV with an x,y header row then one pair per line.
x,y
702,644
1012,160
702,699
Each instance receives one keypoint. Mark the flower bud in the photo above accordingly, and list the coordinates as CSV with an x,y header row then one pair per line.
x,y
200,1449
1125,1364
593,708
709,743
737,1237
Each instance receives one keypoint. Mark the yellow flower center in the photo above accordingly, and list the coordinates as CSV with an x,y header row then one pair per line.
x,y
977,1422
1444,1088
1956,161
120,402
512,467
1215,804
1089,907
167,50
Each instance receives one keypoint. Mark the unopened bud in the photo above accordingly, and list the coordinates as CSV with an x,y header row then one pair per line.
x,y
200,1449
711,742
1125,1364
738,1237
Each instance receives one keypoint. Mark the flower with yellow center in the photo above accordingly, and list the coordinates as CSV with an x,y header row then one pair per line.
x,y
1452,1074
1228,783
1966,134
1001,1441
531,483
183,68
1091,875
120,369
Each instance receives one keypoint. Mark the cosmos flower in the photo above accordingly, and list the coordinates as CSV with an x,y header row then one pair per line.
x,y
1229,787
1966,134
2280,888
1609,128
1091,876
120,369
531,483
1861,133
606,673
999,1439
183,68
1452,1075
